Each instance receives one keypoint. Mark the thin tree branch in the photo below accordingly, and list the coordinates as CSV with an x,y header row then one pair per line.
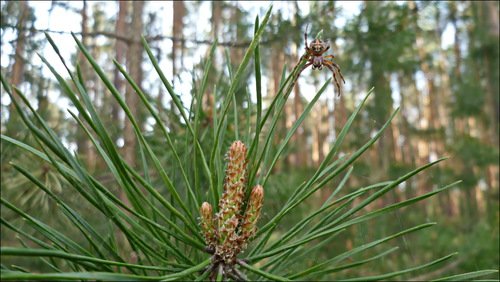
x,y
129,40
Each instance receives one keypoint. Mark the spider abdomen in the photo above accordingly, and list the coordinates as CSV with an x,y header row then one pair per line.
x,y
317,62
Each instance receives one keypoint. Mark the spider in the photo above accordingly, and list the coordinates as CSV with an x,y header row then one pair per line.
x,y
314,56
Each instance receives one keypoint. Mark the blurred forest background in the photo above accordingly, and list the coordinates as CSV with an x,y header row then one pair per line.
x,y
436,60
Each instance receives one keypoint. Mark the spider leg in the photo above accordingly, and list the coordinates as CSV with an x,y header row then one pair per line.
x,y
329,57
301,70
305,36
326,49
328,65
305,67
341,76
297,77
306,56
338,68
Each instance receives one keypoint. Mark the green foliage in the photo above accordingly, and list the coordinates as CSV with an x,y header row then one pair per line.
x,y
472,151
155,235
469,98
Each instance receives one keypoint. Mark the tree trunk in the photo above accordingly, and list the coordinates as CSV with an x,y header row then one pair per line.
x,y
492,66
216,18
442,115
430,113
236,54
298,139
134,59
323,131
177,27
120,53
383,104
274,85
84,144
315,116
18,66
408,153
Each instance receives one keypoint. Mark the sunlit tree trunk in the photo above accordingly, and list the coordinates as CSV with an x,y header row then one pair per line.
x,y
120,53
492,102
287,121
235,54
491,58
338,109
297,158
299,136
428,111
84,144
323,131
315,116
407,94
486,28
339,114
177,28
440,111
216,18
383,104
216,21
452,197
134,59
18,66
274,83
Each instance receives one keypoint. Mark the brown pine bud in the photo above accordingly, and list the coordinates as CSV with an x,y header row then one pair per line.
x,y
207,224
234,191
252,213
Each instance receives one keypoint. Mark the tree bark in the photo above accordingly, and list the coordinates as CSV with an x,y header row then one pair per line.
x,y
216,18
323,131
84,144
177,27
492,66
430,113
18,66
299,156
120,53
491,63
134,60
383,104
236,54
408,153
